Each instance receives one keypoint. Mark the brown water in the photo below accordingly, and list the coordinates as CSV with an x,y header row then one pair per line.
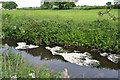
x,y
41,56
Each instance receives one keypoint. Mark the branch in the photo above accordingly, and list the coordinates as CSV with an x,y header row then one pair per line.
x,y
112,16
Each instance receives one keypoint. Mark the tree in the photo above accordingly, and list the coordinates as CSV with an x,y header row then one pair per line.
x,y
68,5
61,4
9,5
108,3
47,5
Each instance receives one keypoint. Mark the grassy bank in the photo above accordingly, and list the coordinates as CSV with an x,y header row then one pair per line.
x,y
15,66
68,27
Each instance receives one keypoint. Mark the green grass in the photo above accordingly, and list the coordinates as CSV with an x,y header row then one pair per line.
x,y
61,15
71,27
68,27
15,65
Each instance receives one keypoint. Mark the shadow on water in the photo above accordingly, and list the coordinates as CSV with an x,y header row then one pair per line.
x,y
104,62
45,54
41,56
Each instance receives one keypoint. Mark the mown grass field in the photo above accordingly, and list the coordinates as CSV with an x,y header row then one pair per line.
x,y
68,27
76,15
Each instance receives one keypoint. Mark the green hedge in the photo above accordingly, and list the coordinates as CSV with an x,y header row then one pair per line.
x,y
79,8
38,8
96,7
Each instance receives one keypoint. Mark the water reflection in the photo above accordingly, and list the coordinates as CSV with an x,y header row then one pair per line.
x,y
42,56
45,54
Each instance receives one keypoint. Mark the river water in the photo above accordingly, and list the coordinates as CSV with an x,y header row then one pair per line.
x,y
41,56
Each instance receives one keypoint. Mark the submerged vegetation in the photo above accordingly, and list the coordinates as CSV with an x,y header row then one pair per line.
x,y
57,27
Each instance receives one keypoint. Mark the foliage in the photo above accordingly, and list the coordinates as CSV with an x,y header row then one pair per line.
x,y
85,7
15,66
30,8
9,5
108,3
117,6
69,5
66,5
47,5
67,33
58,0
99,34
61,5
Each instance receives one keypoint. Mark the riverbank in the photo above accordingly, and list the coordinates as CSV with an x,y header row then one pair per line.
x,y
43,56
68,32
95,53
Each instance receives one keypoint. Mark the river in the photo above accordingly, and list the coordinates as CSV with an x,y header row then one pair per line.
x,y
42,56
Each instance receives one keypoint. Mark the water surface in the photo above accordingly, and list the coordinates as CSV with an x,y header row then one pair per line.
x,y
41,56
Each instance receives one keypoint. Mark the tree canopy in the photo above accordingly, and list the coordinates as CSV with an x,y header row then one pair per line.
x,y
9,5
59,0
61,5
108,3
